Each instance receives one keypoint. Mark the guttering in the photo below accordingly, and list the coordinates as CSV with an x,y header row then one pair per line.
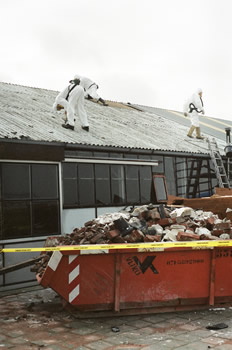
x,y
115,149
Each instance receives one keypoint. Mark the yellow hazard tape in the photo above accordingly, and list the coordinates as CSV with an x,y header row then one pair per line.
x,y
163,245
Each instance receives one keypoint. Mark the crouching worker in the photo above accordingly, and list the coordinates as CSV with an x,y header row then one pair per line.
x,y
90,89
192,108
71,99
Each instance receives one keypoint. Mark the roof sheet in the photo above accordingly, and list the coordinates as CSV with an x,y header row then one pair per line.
x,y
26,113
210,126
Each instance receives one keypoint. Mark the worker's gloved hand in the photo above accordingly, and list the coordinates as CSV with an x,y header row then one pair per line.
x,y
59,107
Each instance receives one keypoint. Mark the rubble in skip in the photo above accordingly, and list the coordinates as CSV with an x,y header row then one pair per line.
x,y
147,223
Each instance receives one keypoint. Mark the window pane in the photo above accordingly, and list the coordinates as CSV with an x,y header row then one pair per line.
x,y
144,157
132,172
102,172
145,183
102,184
85,154
116,155
85,171
130,156
15,181
70,192
132,184
170,176
44,181
117,184
69,170
45,218
101,154
181,175
160,167
103,192
86,192
86,184
1,221
16,219
70,183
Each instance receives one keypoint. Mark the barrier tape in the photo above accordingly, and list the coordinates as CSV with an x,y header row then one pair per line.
x,y
162,245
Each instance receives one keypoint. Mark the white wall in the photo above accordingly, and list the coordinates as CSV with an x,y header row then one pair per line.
x,y
75,218
101,211
22,275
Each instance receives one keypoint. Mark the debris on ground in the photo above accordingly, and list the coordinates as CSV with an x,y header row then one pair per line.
x,y
217,326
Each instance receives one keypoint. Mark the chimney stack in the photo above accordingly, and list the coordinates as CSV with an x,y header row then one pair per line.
x,y
228,148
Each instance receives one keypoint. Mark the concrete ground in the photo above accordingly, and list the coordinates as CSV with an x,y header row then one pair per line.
x,y
35,319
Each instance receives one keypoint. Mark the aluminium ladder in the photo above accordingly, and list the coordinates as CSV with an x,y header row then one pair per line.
x,y
217,161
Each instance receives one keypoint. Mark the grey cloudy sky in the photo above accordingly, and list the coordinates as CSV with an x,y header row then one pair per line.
x,y
150,52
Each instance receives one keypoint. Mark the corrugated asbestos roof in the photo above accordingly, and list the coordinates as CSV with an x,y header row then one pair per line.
x,y
210,126
26,113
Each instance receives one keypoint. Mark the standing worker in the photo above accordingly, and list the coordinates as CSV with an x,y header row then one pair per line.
x,y
193,107
71,99
90,89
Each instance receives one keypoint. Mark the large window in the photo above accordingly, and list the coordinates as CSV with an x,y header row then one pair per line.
x,y
106,184
100,184
29,200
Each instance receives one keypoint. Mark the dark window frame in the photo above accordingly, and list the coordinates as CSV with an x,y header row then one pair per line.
x,y
124,188
178,183
9,203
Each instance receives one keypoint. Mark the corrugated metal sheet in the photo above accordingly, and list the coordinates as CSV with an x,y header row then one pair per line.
x,y
211,126
26,113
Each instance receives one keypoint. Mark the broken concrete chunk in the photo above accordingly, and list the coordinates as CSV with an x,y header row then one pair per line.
x,y
224,236
180,220
135,222
202,231
182,212
170,236
178,227
159,229
108,218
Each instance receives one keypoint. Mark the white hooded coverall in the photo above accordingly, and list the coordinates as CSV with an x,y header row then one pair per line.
x,y
89,86
74,104
196,101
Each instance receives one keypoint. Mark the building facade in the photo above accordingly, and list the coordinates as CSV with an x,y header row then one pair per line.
x,y
68,185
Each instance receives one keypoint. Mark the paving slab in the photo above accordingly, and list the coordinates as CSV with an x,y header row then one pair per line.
x,y
37,320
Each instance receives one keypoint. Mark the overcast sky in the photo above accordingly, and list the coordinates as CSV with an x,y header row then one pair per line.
x,y
149,52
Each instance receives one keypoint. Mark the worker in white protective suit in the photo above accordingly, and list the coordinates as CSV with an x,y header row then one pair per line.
x,y
192,108
71,99
90,89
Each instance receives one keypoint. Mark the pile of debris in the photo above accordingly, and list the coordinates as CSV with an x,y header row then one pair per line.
x,y
148,223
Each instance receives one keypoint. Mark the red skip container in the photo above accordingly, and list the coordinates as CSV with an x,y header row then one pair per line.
x,y
128,281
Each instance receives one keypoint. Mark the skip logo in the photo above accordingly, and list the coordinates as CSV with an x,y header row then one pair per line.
x,y
139,267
